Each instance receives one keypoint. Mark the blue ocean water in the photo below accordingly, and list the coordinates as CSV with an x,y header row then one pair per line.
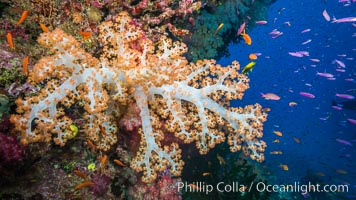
x,y
313,120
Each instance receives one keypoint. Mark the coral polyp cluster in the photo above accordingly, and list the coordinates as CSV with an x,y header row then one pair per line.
x,y
174,97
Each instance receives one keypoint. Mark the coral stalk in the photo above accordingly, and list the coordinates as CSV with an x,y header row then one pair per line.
x,y
191,99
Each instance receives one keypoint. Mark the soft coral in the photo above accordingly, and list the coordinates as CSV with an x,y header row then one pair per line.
x,y
10,149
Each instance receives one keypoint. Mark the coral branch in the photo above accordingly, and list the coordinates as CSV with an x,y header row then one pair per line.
x,y
189,101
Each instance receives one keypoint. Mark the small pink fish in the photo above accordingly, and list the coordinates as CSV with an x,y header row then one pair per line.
x,y
306,42
352,121
327,75
270,96
349,79
241,28
287,23
340,70
304,53
345,96
306,94
331,79
326,15
292,104
280,10
315,60
295,54
276,36
347,19
336,107
299,53
344,142
258,54
306,30
341,64
274,32
261,22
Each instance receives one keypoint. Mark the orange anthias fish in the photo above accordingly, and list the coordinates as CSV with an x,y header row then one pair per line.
x,y
284,167
252,56
44,28
266,109
91,145
276,152
194,187
23,17
85,34
275,141
9,40
80,174
221,160
297,140
118,162
103,162
25,66
206,174
246,37
84,184
278,133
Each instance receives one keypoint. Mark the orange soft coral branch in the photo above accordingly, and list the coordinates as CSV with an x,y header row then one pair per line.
x,y
69,75
192,98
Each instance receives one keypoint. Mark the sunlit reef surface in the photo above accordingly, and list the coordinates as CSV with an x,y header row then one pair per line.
x,y
106,99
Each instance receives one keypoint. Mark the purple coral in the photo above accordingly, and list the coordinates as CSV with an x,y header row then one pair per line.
x,y
8,59
10,149
15,89
101,184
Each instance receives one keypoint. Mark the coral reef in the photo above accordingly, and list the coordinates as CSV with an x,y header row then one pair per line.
x,y
187,100
205,42
193,22
4,105
81,18
220,168
119,96
101,184
10,68
162,189
158,18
